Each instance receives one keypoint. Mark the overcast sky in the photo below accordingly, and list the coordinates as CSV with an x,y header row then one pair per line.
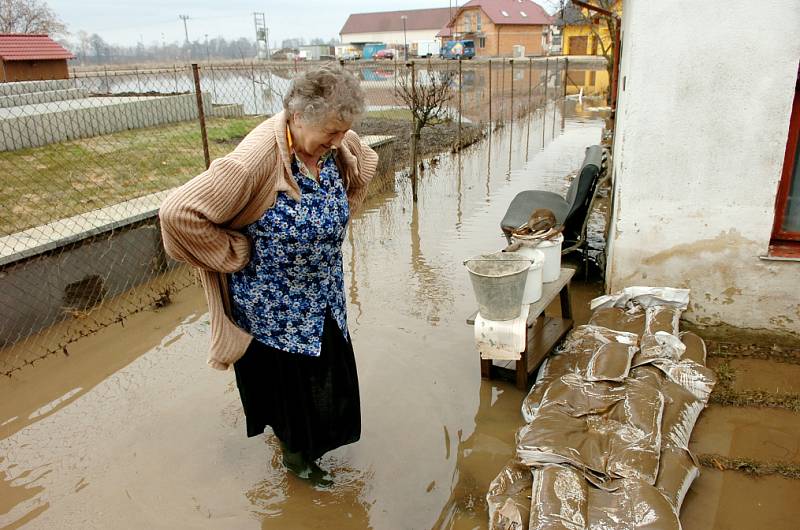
x,y
129,21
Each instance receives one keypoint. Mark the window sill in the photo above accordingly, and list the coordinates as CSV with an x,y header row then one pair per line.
x,y
783,251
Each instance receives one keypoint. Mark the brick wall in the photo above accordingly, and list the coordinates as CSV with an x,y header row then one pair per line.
x,y
499,40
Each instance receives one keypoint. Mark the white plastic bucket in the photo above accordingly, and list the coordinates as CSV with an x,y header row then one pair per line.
x,y
552,258
533,286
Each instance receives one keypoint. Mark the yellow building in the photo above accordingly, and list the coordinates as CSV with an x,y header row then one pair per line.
x,y
581,32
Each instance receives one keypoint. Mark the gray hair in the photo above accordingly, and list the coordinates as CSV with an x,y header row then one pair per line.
x,y
323,92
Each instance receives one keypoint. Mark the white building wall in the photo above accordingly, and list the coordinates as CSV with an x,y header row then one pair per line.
x,y
699,145
390,37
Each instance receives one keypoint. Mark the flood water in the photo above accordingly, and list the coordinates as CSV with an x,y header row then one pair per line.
x,y
132,430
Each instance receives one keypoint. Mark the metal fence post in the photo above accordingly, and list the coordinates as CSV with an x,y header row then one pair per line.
x,y
528,110
413,132
502,90
201,113
138,81
490,95
175,71
555,105
213,83
544,110
460,92
255,97
108,86
566,74
511,63
546,78
530,82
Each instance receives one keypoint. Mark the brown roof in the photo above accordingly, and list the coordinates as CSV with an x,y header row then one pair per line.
x,y
21,47
511,11
418,19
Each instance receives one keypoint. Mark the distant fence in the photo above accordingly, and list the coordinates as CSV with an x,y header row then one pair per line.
x,y
86,162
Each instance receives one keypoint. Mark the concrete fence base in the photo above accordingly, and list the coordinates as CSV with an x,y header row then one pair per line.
x,y
44,124
32,98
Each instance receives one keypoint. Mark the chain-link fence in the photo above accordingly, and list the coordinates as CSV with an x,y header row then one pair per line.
x,y
88,160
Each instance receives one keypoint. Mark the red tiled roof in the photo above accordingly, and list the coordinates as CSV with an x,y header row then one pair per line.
x,y
20,47
418,19
445,32
511,11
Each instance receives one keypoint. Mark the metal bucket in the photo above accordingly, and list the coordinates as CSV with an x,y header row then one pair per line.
x,y
499,283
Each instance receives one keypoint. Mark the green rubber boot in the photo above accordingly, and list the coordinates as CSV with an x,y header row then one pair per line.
x,y
303,468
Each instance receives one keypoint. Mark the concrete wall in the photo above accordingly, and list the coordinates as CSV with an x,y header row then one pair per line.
x,y
39,292
706,93
33,98
26,87
57,122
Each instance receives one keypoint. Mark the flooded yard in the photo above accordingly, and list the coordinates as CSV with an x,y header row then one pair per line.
x,y
132,430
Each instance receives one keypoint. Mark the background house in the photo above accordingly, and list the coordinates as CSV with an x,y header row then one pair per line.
x,y
580,35
497,26
421,25
706,188
32,58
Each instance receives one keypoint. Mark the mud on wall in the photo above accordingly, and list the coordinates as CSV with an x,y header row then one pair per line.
x,y
41,291
699,146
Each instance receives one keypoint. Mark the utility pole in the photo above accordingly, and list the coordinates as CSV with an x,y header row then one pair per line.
x,y
405,43
262,36
185,27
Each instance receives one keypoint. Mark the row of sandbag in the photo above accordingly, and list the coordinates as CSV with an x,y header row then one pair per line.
x,y
608,423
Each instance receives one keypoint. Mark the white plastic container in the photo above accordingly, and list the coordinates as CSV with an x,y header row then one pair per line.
x,y
533,285
552,258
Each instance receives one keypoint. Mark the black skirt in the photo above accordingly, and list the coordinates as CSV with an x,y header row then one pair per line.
x,y
311,403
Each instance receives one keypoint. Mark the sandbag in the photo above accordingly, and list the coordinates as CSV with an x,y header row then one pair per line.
x,y
611,362
572,357
509,497
695,348
561,499
676,473
619,319
662,318
658,346
612,430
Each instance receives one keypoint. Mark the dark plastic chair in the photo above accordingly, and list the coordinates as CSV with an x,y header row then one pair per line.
x,y
572,211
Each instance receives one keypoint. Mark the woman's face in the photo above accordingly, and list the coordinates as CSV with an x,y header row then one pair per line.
x,y
315,139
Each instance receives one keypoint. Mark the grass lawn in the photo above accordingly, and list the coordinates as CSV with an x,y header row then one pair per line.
x,y
60,180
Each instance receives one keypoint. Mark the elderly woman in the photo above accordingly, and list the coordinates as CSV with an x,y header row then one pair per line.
x,y
264,225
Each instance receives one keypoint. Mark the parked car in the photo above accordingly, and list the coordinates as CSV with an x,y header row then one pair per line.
x,y
386,53
454,49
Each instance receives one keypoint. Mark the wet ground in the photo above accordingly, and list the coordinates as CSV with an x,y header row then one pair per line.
x,y
132,430
751,453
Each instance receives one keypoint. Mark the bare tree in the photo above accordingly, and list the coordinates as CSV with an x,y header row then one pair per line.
x,y
29,16
427,97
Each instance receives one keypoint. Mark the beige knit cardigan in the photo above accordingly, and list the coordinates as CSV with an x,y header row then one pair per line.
x,y
201,221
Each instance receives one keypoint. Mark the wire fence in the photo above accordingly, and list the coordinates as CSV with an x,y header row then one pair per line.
x,y
88,160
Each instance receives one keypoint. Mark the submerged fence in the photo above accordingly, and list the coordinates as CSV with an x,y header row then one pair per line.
x,y
88,160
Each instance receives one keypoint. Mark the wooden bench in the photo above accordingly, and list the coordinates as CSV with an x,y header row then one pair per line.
x,y
542,333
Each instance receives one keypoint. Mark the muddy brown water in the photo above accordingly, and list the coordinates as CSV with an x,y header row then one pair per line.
x,y
132,430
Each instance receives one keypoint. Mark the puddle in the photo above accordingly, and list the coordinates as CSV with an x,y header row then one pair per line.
x,y
132,430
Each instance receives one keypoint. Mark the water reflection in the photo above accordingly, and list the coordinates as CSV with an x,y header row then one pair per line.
x,y
159,441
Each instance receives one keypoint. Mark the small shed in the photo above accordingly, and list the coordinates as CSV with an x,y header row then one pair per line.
x,y
32,58
315,52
